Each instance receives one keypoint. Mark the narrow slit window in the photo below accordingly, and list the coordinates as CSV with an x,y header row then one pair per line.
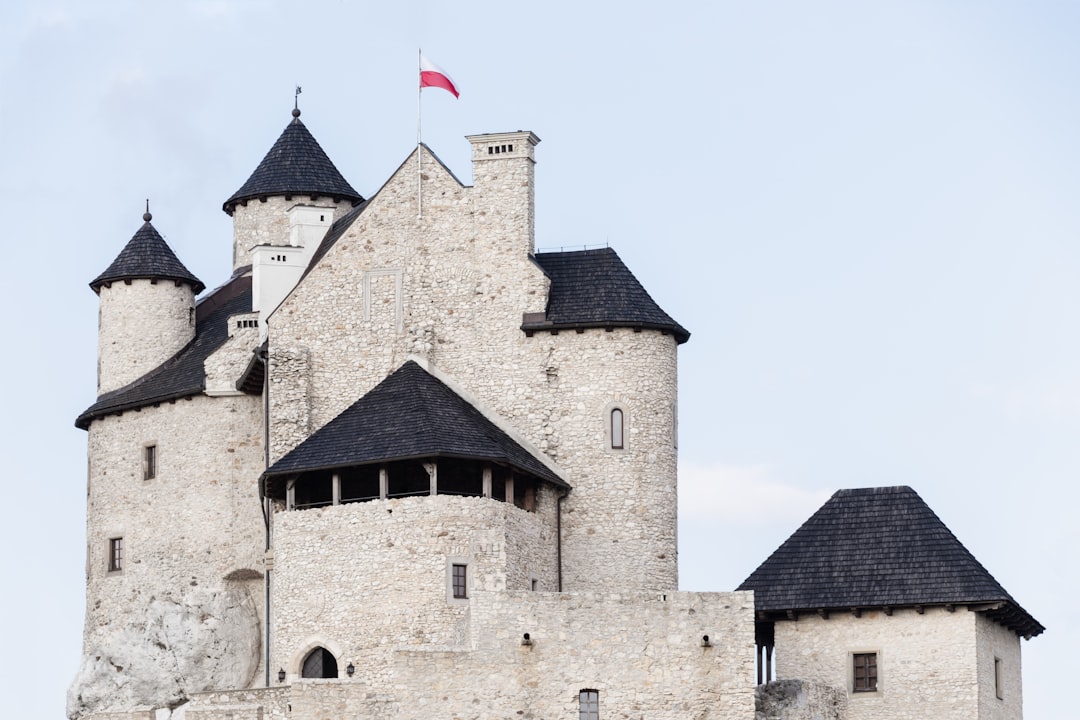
x,y
589,705
617,442
149,462
116,554
459,581
865,672
999,691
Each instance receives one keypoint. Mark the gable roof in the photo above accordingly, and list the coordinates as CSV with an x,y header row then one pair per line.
x,y
295,165
594,289
409,415
879,547
147,257
344,222
182,375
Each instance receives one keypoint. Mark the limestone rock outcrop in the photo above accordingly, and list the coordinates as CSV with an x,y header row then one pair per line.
x,y
200,640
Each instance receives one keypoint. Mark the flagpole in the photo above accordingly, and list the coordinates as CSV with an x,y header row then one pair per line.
x,y
419,175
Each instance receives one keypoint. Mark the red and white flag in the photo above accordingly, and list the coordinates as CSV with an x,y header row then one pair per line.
x,y
431,75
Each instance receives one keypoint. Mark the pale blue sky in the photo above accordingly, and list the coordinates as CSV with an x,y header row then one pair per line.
x,y
864,212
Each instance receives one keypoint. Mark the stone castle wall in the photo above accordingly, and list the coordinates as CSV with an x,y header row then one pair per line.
x,y
183,612
996,642
643,654
451,289
141,324
926,663
363,579
259,222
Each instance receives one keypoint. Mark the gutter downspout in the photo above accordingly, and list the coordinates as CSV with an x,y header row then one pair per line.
x,y
266,503
558,535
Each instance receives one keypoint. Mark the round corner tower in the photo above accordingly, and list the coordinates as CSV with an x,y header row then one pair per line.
x,y
296,171
146,311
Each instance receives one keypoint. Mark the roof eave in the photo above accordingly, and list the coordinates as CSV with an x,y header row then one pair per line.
x,y
680,334
1004,612
83,421
291,472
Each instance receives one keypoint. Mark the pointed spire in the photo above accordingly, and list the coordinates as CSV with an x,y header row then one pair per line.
x,y
147,257
295,165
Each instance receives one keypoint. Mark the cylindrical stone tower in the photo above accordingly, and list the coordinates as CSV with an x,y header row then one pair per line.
x,y
147,309
295,171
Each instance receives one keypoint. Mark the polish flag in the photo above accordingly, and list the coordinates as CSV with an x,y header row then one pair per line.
x,y
431,75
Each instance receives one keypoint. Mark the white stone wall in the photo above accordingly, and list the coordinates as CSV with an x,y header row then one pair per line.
x,y
451,288
258,222
183,613
996,642
643,653
926,663
140,326
226,365
363,579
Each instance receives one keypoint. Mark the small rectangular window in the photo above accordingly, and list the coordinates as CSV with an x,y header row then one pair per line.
x,y
149,462
116,554
589,705
998,690
864,666
458,580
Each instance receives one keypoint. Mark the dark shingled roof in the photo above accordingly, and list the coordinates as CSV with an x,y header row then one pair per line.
x,y
182,375
147,257
874,548
594,289
295,165
411,414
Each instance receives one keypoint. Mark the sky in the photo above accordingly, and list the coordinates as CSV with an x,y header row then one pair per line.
x,y
865,213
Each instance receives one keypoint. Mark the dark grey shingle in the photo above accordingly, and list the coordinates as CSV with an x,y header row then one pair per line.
x,y
295,165
147,257
593,288
410,414
877,547
182,375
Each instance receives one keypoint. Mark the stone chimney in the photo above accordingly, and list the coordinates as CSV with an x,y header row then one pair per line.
x,y
503,183
276,269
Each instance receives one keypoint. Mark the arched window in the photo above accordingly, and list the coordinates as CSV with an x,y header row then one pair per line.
x,y
319,663
617,429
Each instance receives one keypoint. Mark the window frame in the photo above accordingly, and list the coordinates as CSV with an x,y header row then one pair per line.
x,y
588,704
616,437
115,554
871,665
459,581
617,428
451,563
149,461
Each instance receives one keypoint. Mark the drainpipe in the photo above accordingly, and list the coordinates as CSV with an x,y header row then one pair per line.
x,y
266,503
558,535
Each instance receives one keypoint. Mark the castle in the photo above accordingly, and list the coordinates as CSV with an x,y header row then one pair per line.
x,y
401,465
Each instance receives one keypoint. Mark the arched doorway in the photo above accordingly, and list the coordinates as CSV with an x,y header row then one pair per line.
x,y
319,663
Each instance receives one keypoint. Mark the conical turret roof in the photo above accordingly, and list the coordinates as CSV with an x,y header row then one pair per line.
x,y
295,165
147,257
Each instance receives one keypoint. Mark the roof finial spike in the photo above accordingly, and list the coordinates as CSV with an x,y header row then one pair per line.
x,y
146,215
296,102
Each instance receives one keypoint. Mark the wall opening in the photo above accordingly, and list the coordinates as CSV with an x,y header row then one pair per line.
x,y
319,663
